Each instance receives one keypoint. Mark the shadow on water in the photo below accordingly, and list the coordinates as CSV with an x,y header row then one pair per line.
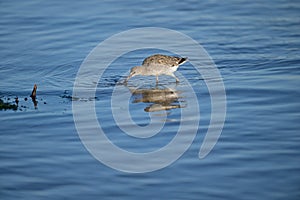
x,y
159,98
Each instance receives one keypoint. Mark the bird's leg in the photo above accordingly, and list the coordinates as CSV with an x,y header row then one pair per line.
x,y
173,75
156,79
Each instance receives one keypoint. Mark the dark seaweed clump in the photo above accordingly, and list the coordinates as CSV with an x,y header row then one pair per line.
x,y
7,105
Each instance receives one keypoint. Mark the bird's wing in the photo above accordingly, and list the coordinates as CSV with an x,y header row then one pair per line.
x,y
163,60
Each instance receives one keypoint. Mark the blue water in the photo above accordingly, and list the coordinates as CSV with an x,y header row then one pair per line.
x,y
256,47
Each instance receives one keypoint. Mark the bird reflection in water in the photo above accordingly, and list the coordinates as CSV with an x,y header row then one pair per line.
x,y
159,98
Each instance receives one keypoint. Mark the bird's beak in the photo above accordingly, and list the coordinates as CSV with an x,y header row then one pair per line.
x,y
130,76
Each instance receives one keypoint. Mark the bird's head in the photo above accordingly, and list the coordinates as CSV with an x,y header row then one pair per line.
x,y
137,70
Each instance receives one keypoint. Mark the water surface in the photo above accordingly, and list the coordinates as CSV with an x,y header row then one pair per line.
x,y
256,48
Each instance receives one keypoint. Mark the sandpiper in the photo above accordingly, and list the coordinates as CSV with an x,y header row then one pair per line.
x,y
156,65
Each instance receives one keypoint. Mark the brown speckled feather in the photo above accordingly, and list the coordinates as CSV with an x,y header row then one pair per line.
x,y
159,59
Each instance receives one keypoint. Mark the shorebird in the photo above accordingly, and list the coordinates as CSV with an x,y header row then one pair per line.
x,y
156,65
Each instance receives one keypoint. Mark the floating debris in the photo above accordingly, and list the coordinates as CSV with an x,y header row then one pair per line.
x,y
33,96
7,105
10,103
66,97
33,93
17,101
